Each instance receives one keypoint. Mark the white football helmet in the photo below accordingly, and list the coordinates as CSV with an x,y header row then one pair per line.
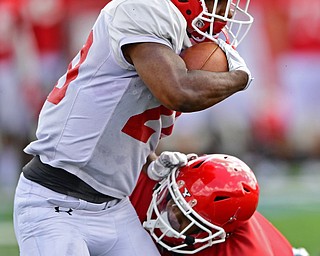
x,y
205,22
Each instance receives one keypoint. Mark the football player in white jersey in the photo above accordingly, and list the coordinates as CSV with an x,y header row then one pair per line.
x,y
103,120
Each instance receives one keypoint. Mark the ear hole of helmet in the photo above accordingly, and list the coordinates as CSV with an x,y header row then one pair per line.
x,y
221,198
187,11
246,188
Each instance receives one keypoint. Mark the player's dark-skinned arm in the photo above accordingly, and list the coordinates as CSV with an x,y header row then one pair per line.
x,y
167,77
152,157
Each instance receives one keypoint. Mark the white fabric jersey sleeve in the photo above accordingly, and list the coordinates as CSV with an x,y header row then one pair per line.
x,y
100,122
157,21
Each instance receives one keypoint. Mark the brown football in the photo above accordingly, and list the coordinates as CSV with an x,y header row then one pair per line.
x,y
205,56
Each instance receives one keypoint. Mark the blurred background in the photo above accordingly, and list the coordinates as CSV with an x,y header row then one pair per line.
x,y
274,125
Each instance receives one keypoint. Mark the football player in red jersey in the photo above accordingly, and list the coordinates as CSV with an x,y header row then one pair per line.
x,y
208,207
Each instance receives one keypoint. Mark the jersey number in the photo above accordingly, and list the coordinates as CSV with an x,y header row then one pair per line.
x,y
57,94
136,128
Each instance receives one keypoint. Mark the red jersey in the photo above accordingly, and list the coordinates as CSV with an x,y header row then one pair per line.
x,y
258,237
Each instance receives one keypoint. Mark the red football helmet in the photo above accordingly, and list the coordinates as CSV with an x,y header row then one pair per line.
x,y
197,205
206,22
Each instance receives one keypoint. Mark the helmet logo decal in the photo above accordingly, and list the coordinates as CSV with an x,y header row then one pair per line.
x,y
186,193
199,24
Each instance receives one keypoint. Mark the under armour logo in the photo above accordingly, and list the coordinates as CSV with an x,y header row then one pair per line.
x,y
57,209
186,193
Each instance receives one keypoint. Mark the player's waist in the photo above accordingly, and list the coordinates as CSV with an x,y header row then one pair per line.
x,y
61,181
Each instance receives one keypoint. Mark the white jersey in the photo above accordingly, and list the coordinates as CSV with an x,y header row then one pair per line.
x,y
101,122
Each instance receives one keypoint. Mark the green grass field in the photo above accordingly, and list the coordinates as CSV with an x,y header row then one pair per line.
x,y
292,204
301,229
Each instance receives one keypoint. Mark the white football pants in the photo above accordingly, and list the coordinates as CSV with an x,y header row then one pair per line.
x,y
52,224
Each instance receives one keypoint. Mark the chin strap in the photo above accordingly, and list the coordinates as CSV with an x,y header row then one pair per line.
x,y
226,35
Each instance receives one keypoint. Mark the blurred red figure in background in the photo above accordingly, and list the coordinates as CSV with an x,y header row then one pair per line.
x,y
294,62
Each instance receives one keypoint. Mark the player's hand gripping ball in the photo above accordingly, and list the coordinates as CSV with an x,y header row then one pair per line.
x,y
205,56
